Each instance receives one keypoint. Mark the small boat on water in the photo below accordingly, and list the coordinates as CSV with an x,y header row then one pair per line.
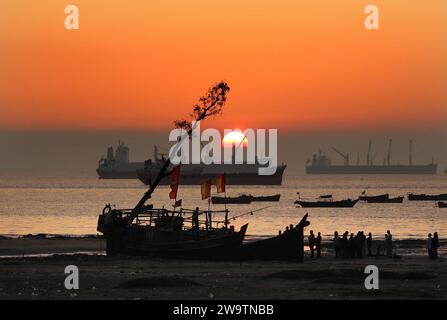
x,y
244,199
273,198
383,198
389,200
348,203
427,197
442,204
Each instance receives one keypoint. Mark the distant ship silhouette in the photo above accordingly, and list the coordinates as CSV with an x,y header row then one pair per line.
x,y
118,166
321,164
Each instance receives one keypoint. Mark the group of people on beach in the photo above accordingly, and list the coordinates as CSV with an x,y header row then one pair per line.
x,y
432,245
349,246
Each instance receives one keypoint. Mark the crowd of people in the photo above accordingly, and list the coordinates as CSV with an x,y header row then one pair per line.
x,y
350,245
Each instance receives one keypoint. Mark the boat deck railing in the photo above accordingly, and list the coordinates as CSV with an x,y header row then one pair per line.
x,y
148,216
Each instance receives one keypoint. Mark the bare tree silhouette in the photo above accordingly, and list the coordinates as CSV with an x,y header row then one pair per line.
x,y
209,105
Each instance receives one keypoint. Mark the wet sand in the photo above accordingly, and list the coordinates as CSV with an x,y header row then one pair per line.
x,y
101,277
58,245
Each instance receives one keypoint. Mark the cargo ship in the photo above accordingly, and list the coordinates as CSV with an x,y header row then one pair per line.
x,y
195,174
117,166
321,164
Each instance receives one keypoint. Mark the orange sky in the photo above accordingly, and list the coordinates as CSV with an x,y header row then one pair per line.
x,y
294,65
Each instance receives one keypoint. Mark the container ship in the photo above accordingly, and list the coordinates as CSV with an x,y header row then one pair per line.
x,y
321,164
118,166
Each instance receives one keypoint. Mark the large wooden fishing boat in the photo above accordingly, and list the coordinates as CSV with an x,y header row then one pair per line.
x,y
162,233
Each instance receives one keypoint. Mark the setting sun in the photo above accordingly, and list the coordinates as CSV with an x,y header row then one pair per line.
x,y
235,138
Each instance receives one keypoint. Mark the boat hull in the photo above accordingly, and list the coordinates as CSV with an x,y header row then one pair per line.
x,y
273,198
426,197
244,199
383,198
327,204
235,178
134,242
284,247
389,200
238,200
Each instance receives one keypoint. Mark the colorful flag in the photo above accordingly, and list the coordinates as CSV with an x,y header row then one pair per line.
x,y
220,183
178,203
174,182
205,188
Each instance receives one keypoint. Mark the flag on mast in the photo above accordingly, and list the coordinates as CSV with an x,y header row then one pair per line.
x,y
178,203
220,183
205,188
174,182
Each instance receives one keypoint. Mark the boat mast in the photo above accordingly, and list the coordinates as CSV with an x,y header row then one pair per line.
x,y
388,157
211,105
368,154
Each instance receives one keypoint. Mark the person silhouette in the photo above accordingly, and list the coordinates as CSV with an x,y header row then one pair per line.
x,y
390,236
344,245
336,244
429,243
195,219
389,245
369,244
435,245
352,246
311,239
318,244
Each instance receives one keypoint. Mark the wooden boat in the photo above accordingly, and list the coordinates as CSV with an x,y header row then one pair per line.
x,y
382,197
244,199
442,204
161,233
427,197
348,203
286,246
273,198
389,200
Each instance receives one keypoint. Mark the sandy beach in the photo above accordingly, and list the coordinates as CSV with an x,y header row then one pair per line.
x,y
101,277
